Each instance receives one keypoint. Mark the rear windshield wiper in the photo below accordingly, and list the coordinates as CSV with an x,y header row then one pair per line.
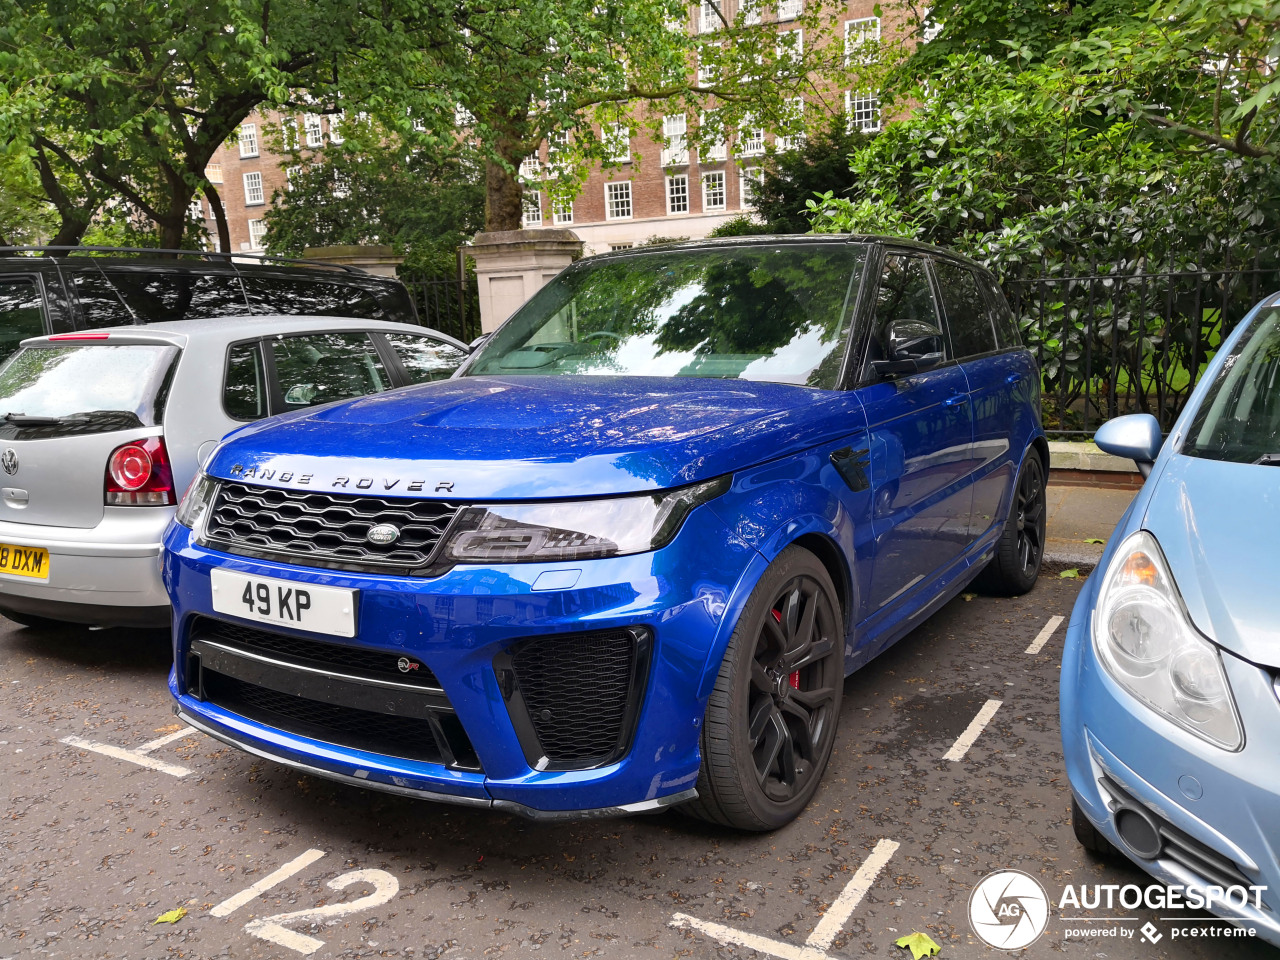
x,y
22,420
1268,460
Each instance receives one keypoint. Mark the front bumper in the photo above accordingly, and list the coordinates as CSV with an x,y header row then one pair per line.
x,y
462,626
108,574
1218,812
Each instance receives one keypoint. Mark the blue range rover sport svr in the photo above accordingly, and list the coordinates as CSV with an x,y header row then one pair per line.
x,y
626,558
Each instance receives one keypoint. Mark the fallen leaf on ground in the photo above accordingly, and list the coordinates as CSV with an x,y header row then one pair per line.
x,y
920,945
1095,540
968,596
1071,574
173,916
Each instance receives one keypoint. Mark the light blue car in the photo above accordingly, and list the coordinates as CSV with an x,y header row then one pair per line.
x,y
1170,699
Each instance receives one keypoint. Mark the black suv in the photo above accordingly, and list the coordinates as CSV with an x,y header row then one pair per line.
x,y
57,289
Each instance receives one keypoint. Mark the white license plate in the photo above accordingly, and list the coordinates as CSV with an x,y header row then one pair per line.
x,y
286,603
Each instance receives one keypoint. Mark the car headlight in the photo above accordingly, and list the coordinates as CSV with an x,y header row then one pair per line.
x,y
574,529
196,501
1149,646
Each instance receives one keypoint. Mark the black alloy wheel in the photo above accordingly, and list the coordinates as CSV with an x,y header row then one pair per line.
x,y
1019,551
772,718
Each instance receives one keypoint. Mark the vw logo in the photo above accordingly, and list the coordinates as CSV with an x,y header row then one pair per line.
x,y
1008,909
382,534
9,461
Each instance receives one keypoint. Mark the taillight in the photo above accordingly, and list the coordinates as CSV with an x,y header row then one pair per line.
x,y
139,475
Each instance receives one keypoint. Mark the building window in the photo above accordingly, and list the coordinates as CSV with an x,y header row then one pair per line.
x,y
290,175
713,192
790,9
863,110
315,135
715,150
617,200
334,122
531,168
929,27
248,140
257,230
557,149
707,74
790,47
621,246
678,194
533,208
748,181
341,186
462,117
861,40
795,122
709,16
750,10
750,139
253,189
562,212
213,173
676,151
196,209
617,142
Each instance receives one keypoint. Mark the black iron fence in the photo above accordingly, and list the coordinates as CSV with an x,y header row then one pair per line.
x,y
450,306
1111,344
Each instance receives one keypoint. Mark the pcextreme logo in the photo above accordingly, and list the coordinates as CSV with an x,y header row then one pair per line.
x,y
1008,909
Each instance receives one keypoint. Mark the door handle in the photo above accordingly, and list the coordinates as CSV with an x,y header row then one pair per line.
x,y
956,400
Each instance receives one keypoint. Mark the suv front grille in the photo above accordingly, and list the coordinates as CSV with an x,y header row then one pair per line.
x,y
325,529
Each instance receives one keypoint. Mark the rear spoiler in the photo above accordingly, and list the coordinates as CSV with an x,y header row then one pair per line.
x,y
123,337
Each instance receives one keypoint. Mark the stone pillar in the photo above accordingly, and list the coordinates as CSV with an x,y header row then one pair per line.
x,y
513,265
381,261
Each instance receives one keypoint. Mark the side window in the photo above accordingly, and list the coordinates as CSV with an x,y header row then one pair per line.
x,y
21,315
303,297
967,314
904,294
244,391
323,367
425,359
1001,316
101,304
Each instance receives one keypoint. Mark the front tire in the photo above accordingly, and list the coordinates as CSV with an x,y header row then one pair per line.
x,y
771,719
1020,549
1088,836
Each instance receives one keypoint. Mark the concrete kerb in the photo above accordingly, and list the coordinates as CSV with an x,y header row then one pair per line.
x,y
1088,492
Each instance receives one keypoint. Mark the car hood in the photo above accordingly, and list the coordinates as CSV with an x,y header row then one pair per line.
x,y
1218,524
536,437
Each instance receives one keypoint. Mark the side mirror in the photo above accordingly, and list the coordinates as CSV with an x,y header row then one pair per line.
x,y
1136,437
913,345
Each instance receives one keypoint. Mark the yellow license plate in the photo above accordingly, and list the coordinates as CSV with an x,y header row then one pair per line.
x,y
24,561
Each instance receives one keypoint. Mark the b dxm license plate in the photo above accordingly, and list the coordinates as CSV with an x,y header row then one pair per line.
x,y
285,603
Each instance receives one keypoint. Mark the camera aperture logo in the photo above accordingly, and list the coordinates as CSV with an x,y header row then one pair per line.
x,y
1008,910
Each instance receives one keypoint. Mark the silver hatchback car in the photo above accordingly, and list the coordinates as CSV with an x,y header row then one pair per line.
x,y
101,431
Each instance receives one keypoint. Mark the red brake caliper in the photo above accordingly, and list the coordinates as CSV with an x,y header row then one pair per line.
x,y
794,679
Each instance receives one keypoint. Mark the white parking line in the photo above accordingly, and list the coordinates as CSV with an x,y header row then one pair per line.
x,y
834,919
300,862
132,756
1043,636
973,731
167,738
824,934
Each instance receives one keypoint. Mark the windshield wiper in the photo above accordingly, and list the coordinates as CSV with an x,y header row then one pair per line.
x,y
1268,460
22,420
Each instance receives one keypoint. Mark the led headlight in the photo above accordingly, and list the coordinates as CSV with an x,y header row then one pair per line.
x,y
575,529
195,501
1149,646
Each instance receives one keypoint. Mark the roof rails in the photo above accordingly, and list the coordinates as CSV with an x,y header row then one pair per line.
x,y
204,254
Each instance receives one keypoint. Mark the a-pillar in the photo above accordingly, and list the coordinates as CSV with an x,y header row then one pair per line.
x,y
513,265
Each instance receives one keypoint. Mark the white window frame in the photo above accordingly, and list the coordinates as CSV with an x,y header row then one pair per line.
x,y
858,34
290,173
253,189
793,50
675,149
708,18
680,180
313,132
750,10
790,9
531,209
750,139
335,121
195,209
248,140
747,178
341,186
618,142
531,168
561,212
617,192
715,176
863,101
714,151
213,172
257,230
929,27
795,140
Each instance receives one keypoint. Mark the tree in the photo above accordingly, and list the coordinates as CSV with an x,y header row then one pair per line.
x,y
129,99
25,215
370,189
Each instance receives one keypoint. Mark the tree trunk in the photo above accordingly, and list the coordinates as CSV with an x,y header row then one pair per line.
x,y
70,230
504,199
219,217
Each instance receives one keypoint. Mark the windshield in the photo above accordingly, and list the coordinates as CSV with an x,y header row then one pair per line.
x,y
98,386
1239,419
776,313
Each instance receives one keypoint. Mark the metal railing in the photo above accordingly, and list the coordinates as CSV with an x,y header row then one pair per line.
x,y
1110,344
450,306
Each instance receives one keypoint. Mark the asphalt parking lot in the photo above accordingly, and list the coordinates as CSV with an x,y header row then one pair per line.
x,y
947,767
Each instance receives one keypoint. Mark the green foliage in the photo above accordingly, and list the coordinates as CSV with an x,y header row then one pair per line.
x,y
743,225
26,217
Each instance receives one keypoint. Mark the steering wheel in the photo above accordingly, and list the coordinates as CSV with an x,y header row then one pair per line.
x,y
601,333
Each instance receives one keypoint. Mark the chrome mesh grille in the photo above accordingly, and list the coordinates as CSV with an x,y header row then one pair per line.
x,y
325,528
